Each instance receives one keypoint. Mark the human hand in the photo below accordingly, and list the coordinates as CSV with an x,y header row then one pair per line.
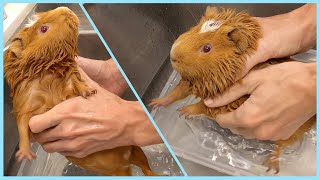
x,y
79,127
105,73
284,35
282,98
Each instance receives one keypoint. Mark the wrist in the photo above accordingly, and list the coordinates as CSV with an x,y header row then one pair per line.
x,y
305,23
140,128
288,34
115,76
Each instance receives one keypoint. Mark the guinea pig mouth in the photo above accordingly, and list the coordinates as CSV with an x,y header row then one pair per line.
x,y
173,60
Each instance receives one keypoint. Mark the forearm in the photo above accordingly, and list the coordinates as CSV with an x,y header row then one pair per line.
x,y
105,73
290,33
305,25
140,128
115,74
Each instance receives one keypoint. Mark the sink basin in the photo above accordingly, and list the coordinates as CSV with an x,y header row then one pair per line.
x,y
141,35
89,46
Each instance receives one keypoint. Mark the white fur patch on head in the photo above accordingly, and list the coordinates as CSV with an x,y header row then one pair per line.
x,y
32,21
210,26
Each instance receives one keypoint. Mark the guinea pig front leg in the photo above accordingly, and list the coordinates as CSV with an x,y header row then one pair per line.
x,y
24,151
81,88
272,160
193,110
181,91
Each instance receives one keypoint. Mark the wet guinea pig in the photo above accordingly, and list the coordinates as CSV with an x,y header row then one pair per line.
x,y
209,57
40,69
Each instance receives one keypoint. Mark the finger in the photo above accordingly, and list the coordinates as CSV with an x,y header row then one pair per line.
x,y
45,121
74,154
266,131
58,146
245,132
233,93
68,153
260,55
49,135
241,117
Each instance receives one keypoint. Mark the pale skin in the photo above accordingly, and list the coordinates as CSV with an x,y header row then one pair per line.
x,y
79,127
282,96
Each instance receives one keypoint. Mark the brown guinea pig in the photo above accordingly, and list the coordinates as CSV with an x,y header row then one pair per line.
x,y
40,69
209,57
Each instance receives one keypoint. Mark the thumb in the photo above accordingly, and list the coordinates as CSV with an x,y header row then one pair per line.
x,y
45,121
233,93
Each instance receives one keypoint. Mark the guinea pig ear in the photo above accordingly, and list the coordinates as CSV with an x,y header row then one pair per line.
x,y
238,37
211,11
14,50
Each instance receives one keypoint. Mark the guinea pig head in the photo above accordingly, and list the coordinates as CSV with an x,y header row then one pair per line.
x,y
212,54
48,39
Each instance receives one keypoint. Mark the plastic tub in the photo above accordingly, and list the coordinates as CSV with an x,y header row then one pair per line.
x,y
203,141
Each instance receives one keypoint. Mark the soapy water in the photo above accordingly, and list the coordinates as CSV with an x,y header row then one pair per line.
x,y
203,141
54,164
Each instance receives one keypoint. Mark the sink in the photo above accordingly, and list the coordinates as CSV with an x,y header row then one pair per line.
x,y
141,35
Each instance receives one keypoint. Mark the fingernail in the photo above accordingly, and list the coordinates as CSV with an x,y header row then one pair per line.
x,y
208,102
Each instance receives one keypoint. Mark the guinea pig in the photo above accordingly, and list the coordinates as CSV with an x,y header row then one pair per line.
x,y
40,69
209,58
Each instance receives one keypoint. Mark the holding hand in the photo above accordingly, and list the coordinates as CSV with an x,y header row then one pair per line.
x,y
282,96
79,127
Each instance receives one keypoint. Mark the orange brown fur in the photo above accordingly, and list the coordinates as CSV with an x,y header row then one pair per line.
x,y
209,74
41,72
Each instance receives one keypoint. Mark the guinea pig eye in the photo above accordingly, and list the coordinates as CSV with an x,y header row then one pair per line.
x,y
206,48
44,29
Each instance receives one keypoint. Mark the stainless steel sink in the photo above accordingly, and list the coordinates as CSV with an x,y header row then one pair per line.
x,y
140,36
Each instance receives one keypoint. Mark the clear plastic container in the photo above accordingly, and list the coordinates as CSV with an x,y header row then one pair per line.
x,y
203,141
54,164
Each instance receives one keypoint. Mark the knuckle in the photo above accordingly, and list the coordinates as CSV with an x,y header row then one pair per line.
x,y
76,147
263,134
252,118
67,132
48,148
220,121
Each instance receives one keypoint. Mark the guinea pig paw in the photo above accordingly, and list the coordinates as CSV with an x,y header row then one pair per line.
x,y
272,162
88,93
93,91
25,154
159,102
185,111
